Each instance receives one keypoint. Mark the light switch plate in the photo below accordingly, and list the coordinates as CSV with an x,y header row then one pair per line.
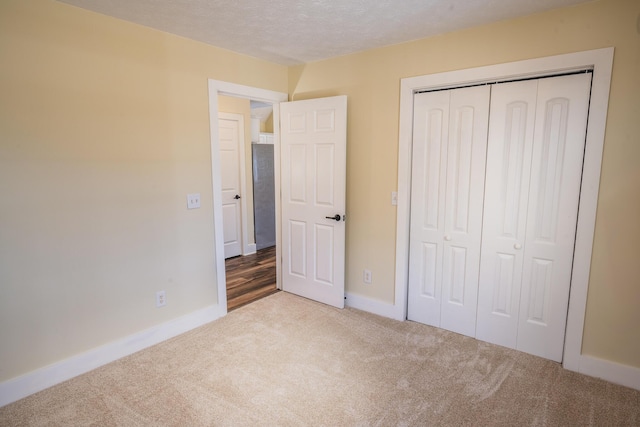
x,y
193,201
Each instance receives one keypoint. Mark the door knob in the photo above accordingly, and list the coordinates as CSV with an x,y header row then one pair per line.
x,y
335,217
447,238
517,246
236,197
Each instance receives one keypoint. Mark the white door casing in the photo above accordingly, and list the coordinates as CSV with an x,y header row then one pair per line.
x,y
313,185
450,131
601,62
228,128
216,88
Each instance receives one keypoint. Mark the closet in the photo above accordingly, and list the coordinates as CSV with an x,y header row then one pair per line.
x,y
496,172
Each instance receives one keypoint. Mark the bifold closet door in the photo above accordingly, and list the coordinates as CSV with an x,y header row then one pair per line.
x,y
534,169
448,166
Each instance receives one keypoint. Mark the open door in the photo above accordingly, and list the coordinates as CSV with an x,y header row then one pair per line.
x,y
313,186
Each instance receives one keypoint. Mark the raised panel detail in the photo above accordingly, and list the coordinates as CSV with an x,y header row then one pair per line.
x,y
324,174
230,223
457,270
298,248
540,283
503,284
428,273
227,134
325,120
229,179
461,153
512,164
551,161
433,146
323,248
297,122
298,173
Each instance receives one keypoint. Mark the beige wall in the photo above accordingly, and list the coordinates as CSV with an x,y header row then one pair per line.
x,y
229,104
268,124
371,81
104,129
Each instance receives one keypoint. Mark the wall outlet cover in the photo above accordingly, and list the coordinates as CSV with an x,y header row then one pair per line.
x,y
161,299
366,276
193,201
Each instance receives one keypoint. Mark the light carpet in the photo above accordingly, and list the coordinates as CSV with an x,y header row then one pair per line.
x,y
288,361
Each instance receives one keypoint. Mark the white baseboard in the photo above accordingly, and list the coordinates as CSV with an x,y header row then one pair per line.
x,y
265,245
628,376
48,376
250,249
372,306
40,379
613,372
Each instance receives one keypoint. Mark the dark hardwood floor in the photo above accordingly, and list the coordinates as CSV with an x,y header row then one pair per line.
x,y
250,277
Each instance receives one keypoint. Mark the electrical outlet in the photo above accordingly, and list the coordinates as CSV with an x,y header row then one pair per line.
x,y
161,299
366,276
394,198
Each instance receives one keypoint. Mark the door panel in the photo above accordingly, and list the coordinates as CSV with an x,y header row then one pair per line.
x,y
297,174
297,253
450,129
534,169
556,173
230,181
426,244
510,142
313,136
323,251
466,159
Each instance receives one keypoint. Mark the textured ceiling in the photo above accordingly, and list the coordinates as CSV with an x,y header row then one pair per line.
x,y
292,32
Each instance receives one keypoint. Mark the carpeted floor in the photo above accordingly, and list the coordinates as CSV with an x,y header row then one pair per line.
x,y
287,361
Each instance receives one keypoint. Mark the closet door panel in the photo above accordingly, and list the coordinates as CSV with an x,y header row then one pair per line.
x,y
559,137
465,170
426,244
509,149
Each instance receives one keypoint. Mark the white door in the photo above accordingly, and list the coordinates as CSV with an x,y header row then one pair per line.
x,y
556,173
449,153
534,170
513,110
230,180
313,182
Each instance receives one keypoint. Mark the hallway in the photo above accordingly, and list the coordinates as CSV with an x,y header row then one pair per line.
x,y
250,277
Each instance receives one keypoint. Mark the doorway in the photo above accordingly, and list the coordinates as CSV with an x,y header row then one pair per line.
x,y
600,61
492,246
248,188
250,277
217,88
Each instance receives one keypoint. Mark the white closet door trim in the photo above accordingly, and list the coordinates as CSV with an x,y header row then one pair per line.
x,y
601,61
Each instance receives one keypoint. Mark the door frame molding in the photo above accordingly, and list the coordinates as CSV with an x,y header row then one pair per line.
x,y
217,87
242,170
601,62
